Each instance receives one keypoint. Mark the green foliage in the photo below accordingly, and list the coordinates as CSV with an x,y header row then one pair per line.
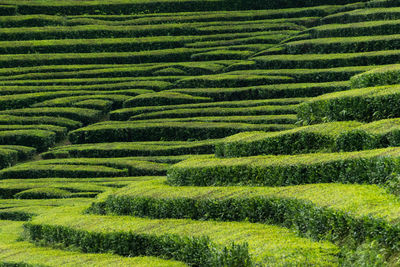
x,y
39,139
125,149
380,76
39,193
38,120
83,115
159,131
373,166
163,98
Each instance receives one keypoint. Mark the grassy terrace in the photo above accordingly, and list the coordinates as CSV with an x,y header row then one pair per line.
x,y
199,133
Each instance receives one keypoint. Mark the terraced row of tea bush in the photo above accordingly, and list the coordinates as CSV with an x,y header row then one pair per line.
x,y
199,133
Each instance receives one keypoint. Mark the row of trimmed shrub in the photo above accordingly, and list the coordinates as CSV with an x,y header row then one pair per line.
x,y
59,131
328,60
364,28
37,120
134,131
334,136
343,44
85,167
222,80
112,150
375,77
124,7
360,15
84,115
365,104
217,111
127,112
265,92
166,55
39,139
196,251
368,166
241,15
307,218
164,98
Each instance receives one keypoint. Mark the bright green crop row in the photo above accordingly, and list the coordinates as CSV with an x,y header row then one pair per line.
x,y
176,17
362,15
112,150
343,44
39,139
83,168
306,75
163,98
258,119
334,136
27,254
375,77
222,80
264,92
364,28
38,120
83,115
58,130
124,114
368,166
306,208
143,131
205,243
328,60
365,104
217,111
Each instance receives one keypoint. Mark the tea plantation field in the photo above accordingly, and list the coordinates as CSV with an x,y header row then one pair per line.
x,y
199,133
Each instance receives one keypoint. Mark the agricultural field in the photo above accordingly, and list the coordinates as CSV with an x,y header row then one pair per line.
x,y
199,133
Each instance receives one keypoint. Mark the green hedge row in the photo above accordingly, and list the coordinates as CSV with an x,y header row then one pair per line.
x,y
222,80
83,115
245,111
134,131
8,157
375,77
372,166
43,193
343,44
163,98
112,150
258,119
248,15
328,60
196,251
364,28
60,132
221,55
366,104
39,139
24,152
359,15
334,136
166,55
126,88
15,216
47,120
126,113
31,171
126,7
304,216
306,75
266,92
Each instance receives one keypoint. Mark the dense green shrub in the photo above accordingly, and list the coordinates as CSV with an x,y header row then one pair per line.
x,y
368,166
163,98
375,77
148,131
366,104
39,139
43,193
